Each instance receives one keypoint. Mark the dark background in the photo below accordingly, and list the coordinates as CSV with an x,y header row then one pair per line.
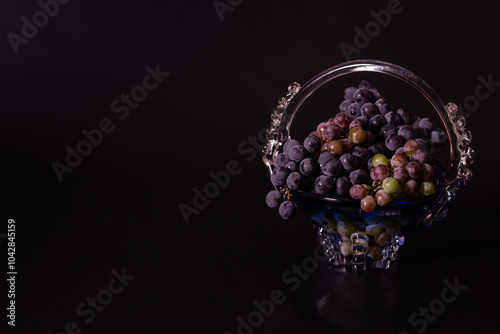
x,y
119,208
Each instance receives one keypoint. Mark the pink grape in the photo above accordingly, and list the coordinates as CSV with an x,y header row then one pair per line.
x,y
400,174
334,147
357,191
427,172
321,129
379,172
411,146
342,119
321,126
420,156
347,145
410,187
369,138
413,168
368,203
399,160
382,198
317,134
356,123
332,131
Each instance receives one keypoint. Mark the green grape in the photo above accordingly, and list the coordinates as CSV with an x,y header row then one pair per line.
x,y
379,159
344,228
390,185
427,188
373,230
357,135
398,193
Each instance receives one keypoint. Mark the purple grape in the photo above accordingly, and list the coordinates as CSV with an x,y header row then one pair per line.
x,y
312,143
399,174
342,186
375,149
379,172
278,179
332,167
415,121
287,210
274,199
375,94
349,162
407,132
292,166
393,118
289,144
369,164
365,84
421,132
279,175
295,181
344,105
400,150
387,130
393,142
426,123
354,109
281,160
359,176
309,167
324,184
362,95
297,153
369,138
324,157
361,153
369,110
364,120
383,105
438,137
405,115
420,156
423,144
348,92
377,121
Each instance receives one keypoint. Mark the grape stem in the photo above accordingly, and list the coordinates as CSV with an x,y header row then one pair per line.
x,y
287,192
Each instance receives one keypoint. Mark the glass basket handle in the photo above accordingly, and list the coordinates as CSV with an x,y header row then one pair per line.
x,y
457,172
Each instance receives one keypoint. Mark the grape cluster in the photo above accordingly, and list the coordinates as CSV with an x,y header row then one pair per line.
x,y
369,151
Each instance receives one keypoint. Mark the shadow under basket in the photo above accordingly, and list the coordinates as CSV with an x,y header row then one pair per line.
x,y
349,236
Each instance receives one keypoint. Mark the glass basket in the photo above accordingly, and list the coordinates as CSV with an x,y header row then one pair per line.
x,y
356,247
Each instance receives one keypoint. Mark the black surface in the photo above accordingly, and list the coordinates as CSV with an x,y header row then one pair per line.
x,y
119,207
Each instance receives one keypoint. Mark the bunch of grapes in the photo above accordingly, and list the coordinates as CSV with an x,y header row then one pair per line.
x,y
368,151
